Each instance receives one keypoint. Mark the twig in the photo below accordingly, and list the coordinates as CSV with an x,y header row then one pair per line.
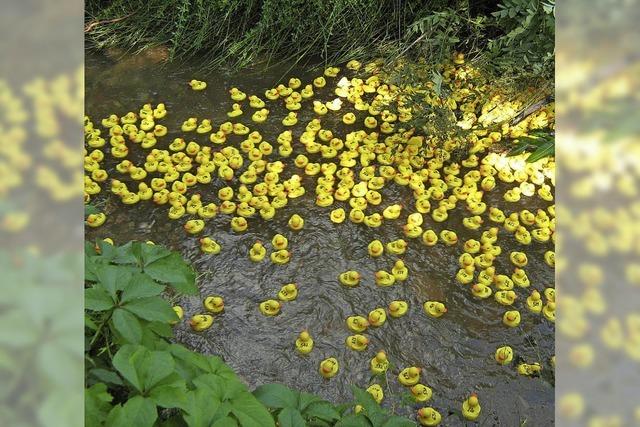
x,y
94,24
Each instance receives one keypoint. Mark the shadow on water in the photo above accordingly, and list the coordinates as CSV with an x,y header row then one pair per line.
x,y
456,351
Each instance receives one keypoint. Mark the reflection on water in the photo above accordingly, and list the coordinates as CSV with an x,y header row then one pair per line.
x,y
456,351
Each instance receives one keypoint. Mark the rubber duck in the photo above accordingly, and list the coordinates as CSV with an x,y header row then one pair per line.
x,y
534,302
197,84
471,407
179,312
296,222
357,324
379,363
160,111
349,118
504,355
471,246
257,252
434,309
400,271
270,307
214,304
290,119
465,275
511,318
237,95
337,216
505,297
397,247
304,342
239,224
189,125
203,127
409,376
522,235
439,214
520,278
329,367
319,82
280,257
209,246
256,102
384,278
529,370
357,342
449,237
375,249
398,308
350,278
496,215
96,220
429,238
377,317
279,242
550,294
200,322
194,226
549,311
429,417
288,292
481,291
236,110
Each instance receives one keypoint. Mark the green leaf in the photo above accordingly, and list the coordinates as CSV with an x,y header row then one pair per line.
x,y
151,253
96,404
306,399
137,411
276,396
201,408
353,420
112,278
173,270
127,325
290,417
97,299
153,367
225,421
123,361
109,377
140,286
152,309
250,412
395,421
366,400
170,395
322,410
126,254
545,150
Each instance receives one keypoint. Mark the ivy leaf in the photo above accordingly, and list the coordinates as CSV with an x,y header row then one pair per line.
x,y
152,309
137,411
276,396
290,417
127,325
97,299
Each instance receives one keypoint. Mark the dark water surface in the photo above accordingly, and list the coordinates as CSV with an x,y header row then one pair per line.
x,y
456,351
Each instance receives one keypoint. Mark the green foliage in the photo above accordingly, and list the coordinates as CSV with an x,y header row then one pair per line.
x,y
135,376
540,144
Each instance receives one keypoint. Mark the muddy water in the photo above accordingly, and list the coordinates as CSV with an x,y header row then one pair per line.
x,y
456,351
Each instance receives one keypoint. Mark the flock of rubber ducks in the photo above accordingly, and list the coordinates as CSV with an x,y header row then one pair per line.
x,y
350,171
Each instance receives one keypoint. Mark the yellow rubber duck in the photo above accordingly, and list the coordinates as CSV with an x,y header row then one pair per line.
x,y
375,390
379,363
270,307
496,215
504,355
392,211
375,248
377,317
471,246
197,84
288,292
397,247
304,343
398,308
338,216
194,226
280,257
237,95
290,119
529,370
429,417
409,376
471,407
190,124
481,291
384,278
200,322
239,224
279,242
350,278
550,294
520,278
214,304
400,271
434,309
96,220
257,252
296,222
505,297
179,312
550,258
511,318
236,110
357,324
329,367
534,302
449,237
319,82
549,311
465,275
349,118
439,214
357,342
429,238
